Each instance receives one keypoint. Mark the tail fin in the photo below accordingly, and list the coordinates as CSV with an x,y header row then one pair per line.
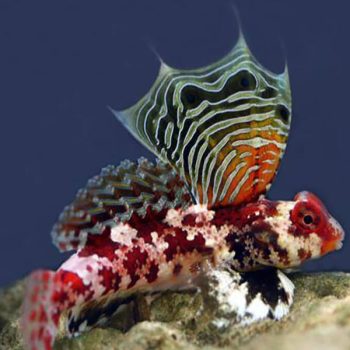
x,y
40,313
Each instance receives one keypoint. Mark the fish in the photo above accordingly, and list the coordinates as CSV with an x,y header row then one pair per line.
x,y
219,134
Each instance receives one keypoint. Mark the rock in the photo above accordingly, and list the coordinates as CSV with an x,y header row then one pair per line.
x,y
10,302
319,319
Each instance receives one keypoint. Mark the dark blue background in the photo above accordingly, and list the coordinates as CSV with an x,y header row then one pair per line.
x,y
62,62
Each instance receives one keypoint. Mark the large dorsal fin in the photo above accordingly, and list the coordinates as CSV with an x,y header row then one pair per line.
x,y
114,196
223,127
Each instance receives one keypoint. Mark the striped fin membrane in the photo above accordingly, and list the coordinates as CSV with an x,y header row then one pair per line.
x,y
115,195
223,127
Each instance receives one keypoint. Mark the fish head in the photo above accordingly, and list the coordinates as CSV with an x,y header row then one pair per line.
x,y
296,231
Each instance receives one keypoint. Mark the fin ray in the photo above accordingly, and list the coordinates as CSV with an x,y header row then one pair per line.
x,y
114,196
194,119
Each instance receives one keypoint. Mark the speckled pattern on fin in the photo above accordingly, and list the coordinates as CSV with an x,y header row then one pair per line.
x,y
114,196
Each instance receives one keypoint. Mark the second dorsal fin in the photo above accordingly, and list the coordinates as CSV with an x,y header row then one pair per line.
x,y
114,196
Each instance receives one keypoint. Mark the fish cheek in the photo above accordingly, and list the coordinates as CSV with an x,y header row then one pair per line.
x,y
269,251
304,254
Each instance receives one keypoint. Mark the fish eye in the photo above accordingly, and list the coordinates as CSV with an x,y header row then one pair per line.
x,y
308,219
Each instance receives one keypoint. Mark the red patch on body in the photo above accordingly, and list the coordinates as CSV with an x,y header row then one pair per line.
x,y
134,261
152,222
100,244
68,283
152,275
190,220
110,280
245,215
179,244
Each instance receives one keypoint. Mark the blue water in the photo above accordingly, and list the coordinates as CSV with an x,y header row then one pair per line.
x,y
62,63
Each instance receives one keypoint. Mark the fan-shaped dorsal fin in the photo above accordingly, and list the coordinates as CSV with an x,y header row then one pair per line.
x,y
223,127
114,196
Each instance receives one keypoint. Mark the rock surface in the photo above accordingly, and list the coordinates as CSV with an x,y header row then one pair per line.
x,y
319,319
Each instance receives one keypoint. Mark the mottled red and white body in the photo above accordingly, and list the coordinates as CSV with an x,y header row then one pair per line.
x,y
219,133
170,250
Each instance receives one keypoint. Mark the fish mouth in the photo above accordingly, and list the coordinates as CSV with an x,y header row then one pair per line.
x,y
339,232
338,236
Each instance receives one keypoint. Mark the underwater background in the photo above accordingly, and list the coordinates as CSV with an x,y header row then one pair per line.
x,y
62,63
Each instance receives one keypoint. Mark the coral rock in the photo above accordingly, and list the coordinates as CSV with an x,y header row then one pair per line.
x,y
319,319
